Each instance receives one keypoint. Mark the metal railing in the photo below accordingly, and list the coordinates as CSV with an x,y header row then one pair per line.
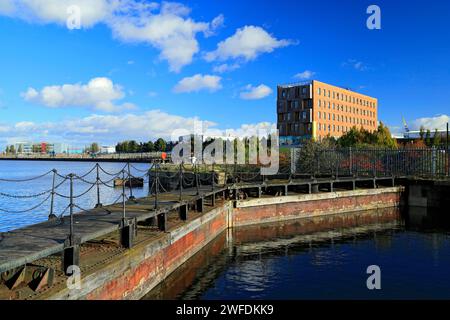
x,y
423,162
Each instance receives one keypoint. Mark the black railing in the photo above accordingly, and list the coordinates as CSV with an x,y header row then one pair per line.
x,y
423,162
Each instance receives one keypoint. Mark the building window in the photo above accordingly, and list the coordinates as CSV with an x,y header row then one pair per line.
x,y
319,91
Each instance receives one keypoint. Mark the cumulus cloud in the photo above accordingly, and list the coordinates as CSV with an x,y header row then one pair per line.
x,y
254,93
109,129
305,75
166,26
99,93
247,44
198,82
225,67
438,122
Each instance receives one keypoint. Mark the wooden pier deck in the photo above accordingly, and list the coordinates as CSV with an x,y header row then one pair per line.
x,y
25,245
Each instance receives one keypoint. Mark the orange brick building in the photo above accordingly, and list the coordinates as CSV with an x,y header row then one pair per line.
x,y
316,109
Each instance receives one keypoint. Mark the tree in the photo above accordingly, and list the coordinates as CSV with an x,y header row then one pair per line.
x,y
160,145
422,132
12,149
428,138
436,138
362,138
7,149
94,148
20,149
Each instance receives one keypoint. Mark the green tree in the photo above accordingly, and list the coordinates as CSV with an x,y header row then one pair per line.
x,y
7,149
428,138
436,138
160,145
20,149
12,149
422,132
94,148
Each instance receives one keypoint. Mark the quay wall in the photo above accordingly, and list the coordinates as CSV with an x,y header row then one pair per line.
x,y
136,271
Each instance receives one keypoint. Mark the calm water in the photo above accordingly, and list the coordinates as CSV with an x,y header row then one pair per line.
x,y
28,169
324,258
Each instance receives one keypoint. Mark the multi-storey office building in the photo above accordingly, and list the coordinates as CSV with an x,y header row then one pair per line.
x,y
316,110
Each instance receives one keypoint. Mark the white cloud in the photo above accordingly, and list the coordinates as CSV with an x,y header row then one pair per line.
x,y
98,93
109,129
355,64
438,122
225,67
254,93
170,29
198,82
305,75
247,43
56,11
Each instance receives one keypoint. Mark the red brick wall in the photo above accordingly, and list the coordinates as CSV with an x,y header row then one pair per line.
x,y
261,214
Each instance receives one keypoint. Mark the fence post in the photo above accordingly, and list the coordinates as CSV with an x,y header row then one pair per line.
x,y
181,181
433,161
51,215
99,204
196,178
156,184
351,160
130,185
123,196
212,178
71,252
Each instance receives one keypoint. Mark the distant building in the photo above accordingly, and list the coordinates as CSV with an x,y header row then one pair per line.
x,y
41,148
108,149
314,110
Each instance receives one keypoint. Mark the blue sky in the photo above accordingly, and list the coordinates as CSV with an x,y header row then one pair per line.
x,y
123,70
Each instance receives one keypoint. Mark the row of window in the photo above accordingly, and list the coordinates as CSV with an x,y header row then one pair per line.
x,y
343,97
338,117
295,128
288,116
332,128
343,108
286,93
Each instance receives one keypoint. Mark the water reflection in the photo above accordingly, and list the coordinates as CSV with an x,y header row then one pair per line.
x,y
28,169
320,258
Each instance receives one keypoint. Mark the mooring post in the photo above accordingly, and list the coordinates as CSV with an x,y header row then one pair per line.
x,y
99,203
130,184
259,192
51,215
183,213
71,253
127,233
199,204
162,221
